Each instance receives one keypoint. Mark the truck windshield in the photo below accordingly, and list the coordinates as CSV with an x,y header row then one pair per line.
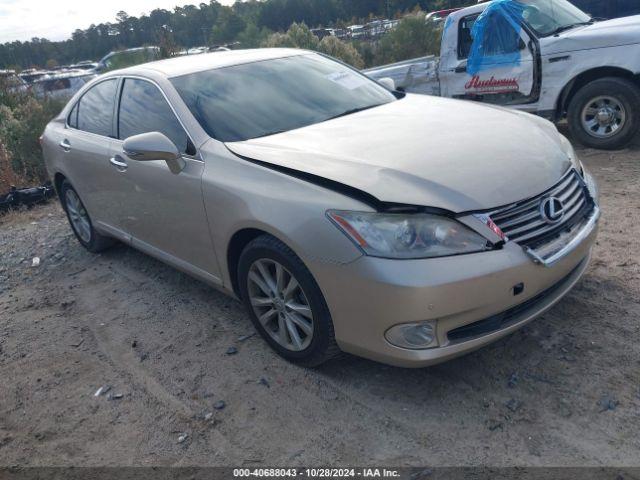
x,y
262,98
549,17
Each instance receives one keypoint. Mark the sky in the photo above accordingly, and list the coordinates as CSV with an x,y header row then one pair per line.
x,y
57,19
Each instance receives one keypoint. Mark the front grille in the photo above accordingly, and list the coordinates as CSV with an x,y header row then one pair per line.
x,y
525,224
508,317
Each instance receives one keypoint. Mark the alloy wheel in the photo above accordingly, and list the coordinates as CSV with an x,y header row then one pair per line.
x,y
78,216
280,304
603,117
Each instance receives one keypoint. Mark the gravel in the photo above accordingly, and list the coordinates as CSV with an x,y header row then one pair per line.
x,y
575,369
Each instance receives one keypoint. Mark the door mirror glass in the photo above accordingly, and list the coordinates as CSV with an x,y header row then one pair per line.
x,y
153,146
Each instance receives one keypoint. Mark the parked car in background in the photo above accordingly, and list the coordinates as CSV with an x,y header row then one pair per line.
x,y
316,196
357,32
11,81
86,65
440,15
127,58
62,84
32,74
540,56
322,32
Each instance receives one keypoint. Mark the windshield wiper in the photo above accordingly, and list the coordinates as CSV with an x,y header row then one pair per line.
x,y
353,110
343,114
569,27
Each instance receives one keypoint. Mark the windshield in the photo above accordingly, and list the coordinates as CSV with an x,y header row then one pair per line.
x,y
271,96
548,17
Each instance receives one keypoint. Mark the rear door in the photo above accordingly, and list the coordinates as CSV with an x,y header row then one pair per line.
x,y
162,211
85,146
497,67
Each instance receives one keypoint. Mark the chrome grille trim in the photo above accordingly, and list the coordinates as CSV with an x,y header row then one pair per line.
x,y
524,224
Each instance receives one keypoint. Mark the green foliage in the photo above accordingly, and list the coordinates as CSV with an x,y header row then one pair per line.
x,y
252,36
299,36
126,59
166,43
413,37
22,120
227,27
197,25
344,51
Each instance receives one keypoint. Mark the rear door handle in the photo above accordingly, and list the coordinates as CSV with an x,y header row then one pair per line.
x,y
65,145
118,162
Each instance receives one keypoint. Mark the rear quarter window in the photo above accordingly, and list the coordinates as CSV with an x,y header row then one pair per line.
x,y
72,119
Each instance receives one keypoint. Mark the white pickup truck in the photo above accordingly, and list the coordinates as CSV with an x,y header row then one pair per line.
x,y
541,56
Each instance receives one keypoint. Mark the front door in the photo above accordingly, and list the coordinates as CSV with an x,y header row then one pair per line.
x,y
494,61
162,211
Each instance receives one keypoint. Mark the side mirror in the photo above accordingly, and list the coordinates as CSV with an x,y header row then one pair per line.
x,y
154,146
387,83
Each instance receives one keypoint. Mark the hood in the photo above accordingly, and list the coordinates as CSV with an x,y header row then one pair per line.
x,y
610,33
426,151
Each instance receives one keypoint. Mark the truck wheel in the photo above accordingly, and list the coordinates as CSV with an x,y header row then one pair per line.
x,y
605,113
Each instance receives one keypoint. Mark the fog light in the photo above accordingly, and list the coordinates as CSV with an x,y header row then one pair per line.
x,y
415,336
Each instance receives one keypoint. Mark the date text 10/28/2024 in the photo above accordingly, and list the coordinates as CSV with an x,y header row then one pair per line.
x,y
315,472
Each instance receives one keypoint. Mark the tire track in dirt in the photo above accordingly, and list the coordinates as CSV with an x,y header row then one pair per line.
x,y
140,380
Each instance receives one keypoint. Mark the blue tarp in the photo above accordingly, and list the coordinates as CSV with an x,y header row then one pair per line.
x,y
496,36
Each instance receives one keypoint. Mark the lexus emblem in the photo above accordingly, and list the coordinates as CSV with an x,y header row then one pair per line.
x,y
552,209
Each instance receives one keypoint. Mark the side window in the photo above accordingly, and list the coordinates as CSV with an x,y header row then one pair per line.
x,y
465,39
95,109
500,38
144,109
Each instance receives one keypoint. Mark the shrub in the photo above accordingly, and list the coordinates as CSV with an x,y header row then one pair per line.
x,y
299,36
23,118
413,37
344,51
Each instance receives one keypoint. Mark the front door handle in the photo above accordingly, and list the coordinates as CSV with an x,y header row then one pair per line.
x,y
118,162
65,145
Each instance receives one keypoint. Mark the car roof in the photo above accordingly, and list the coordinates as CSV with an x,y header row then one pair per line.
x,y
175,67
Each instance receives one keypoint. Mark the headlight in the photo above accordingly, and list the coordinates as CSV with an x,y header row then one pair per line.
x,y
420,235
571,153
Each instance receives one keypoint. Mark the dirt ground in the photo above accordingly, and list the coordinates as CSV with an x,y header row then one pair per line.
x,y
564,391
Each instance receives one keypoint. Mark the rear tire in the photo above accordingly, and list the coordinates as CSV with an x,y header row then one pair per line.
x,y
80,221
594,104
266,270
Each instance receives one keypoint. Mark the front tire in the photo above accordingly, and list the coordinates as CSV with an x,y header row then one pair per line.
x,y
605,113
80,221
285,303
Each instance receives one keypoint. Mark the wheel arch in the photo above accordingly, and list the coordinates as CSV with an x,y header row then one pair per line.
x,y
588,76
237,243
58,178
